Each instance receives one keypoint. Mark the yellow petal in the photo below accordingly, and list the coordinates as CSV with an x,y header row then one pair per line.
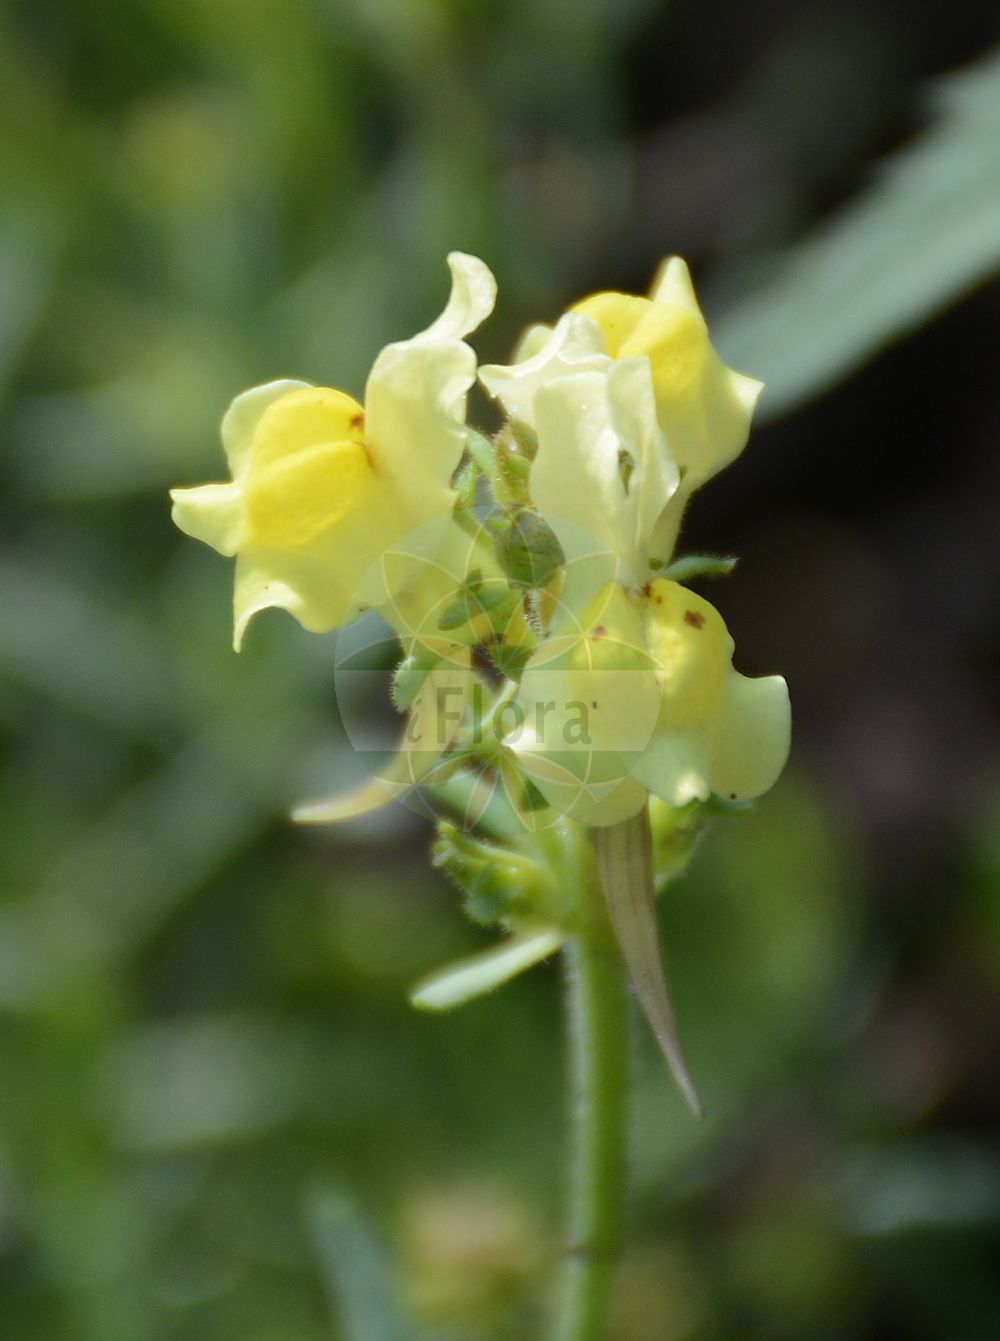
x,y
718,731
416,391
589,800
423,576
317,513
531,341
587,706
593,416
751,736
673,285
676,765
575,345
472,299
212,513
305,418
294,502
689,643
240,420
319,495
256,587
704,407
576,480
655,473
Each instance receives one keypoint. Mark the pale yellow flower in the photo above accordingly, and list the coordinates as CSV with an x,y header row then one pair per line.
x,y
641,697
700,409
322,487
704,408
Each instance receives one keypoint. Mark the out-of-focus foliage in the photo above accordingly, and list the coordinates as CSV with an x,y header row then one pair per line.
x,y
926,230
203,1026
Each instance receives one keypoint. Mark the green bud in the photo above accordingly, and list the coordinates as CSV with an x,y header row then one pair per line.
x,y
498,883
698,565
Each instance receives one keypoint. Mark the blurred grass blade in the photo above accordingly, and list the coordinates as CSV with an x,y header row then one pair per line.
x,y
116,670
919,1183
356,1272
925,233
29,244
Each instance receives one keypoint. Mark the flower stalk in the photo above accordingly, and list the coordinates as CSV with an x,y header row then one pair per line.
x,y
597,1018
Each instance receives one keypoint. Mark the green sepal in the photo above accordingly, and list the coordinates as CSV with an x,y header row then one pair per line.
x,y
523,794
497,882
469,521
675,830
465,482
480,451
510,659
720,807
489,901
494,599
528,551
514,450
690,566
534,800
410,674
522,436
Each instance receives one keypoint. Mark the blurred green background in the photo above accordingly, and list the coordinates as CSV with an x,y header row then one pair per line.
x,y
219,1120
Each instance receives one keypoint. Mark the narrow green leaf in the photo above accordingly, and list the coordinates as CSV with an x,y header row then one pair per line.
x,y
479,974
624,854
925,232
356,1272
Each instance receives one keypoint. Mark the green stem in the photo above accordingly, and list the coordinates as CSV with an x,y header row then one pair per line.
x,y
597,1002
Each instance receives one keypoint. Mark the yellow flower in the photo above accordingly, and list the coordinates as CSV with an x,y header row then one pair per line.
x,y
642,697
322,487
704,408
700,409
603,473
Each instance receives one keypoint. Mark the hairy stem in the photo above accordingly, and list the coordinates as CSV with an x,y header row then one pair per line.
x,y
597,1017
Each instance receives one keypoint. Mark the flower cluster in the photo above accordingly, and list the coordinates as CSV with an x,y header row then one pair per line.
x,y
552,652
